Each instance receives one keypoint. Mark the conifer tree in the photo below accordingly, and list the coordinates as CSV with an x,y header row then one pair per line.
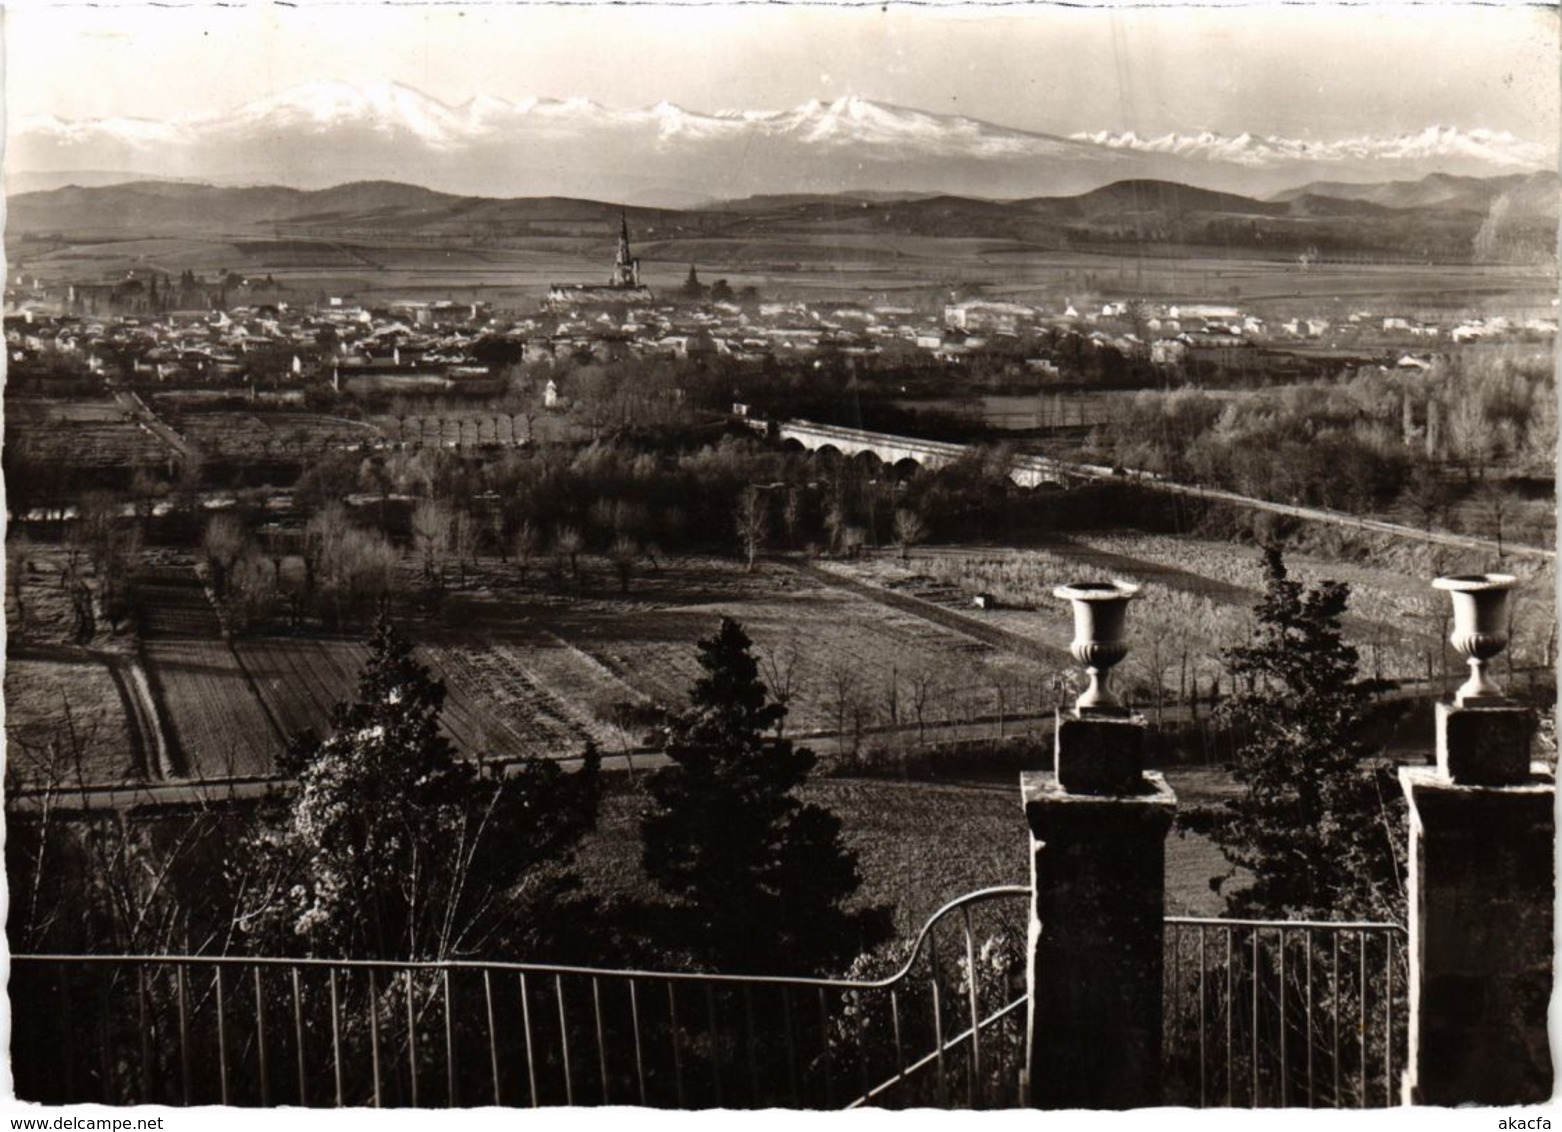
x,y
1319,822
761,877
692,287
393,847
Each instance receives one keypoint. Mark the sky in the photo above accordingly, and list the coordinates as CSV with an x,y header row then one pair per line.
x,y
1321,71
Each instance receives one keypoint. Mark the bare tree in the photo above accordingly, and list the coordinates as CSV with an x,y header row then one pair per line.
x,y
224,542
524,543
1496,506
753,521
923,681
779,665
432,524
464,535
909,531
844,686
792,514
568,542
623,553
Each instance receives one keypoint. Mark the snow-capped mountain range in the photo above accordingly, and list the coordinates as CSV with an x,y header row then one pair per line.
x,y
324,133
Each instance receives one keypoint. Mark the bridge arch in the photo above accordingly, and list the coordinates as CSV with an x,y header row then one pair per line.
x,y
868,461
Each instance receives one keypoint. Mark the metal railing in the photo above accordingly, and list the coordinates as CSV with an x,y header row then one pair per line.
x,y
1266,1013
942,1027
1257,1013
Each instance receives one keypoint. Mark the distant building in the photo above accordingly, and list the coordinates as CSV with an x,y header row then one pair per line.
x,y
623,285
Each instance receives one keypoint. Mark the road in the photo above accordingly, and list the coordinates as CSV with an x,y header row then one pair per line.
x,y
138,409
1356,522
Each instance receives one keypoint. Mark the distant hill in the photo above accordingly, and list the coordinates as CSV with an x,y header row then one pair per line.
x,y
1167,200
1529,194
1437,218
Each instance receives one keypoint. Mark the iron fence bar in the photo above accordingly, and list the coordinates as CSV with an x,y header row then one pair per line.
x,y
715,1053
298,1040
222,1042
184,1036
450,1041
596,1006
749,1044
938,1023
634,1021
1334,1013
894,1018
374,1032
1361,1017
1175,935
1285,1076
526,1026
569,1081
824,1038
791,1042
412,1038
672,1014
1203,1021
493,1034
260,1038
67,1022
1230,1023
1253,1036
105,1072
336,1040
145,1035
864,1080
1388,1019
1307,958
971,995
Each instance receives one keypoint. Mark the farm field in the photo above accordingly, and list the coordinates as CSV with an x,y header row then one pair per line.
x,y
1196,599
269,434
65,722
217,726
543,675
80,434
501,700
838,657
516,275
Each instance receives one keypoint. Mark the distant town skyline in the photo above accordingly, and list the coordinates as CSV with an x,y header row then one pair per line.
x,y
1323,72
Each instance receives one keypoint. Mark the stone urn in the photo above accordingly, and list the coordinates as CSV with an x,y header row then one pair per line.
x,y
1480,631
1100,638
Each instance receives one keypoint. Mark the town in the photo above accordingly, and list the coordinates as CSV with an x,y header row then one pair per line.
x,y
258,336
1032,589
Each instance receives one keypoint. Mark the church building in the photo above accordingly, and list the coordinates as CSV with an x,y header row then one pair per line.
x,y
623,286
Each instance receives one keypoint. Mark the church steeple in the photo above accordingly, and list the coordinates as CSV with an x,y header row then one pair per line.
x,y
626,268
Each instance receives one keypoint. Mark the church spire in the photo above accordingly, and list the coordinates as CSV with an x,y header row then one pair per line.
x,y
626,269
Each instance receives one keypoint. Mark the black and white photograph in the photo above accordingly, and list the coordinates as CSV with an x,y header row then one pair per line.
x,y
780,556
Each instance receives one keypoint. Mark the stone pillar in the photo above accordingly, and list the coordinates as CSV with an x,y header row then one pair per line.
x,y
1482,887
1098,826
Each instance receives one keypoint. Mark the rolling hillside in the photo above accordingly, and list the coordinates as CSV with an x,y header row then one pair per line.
x,y
1447,219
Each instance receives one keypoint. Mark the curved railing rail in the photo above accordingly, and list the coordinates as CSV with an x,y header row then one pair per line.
x,y
238,1030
